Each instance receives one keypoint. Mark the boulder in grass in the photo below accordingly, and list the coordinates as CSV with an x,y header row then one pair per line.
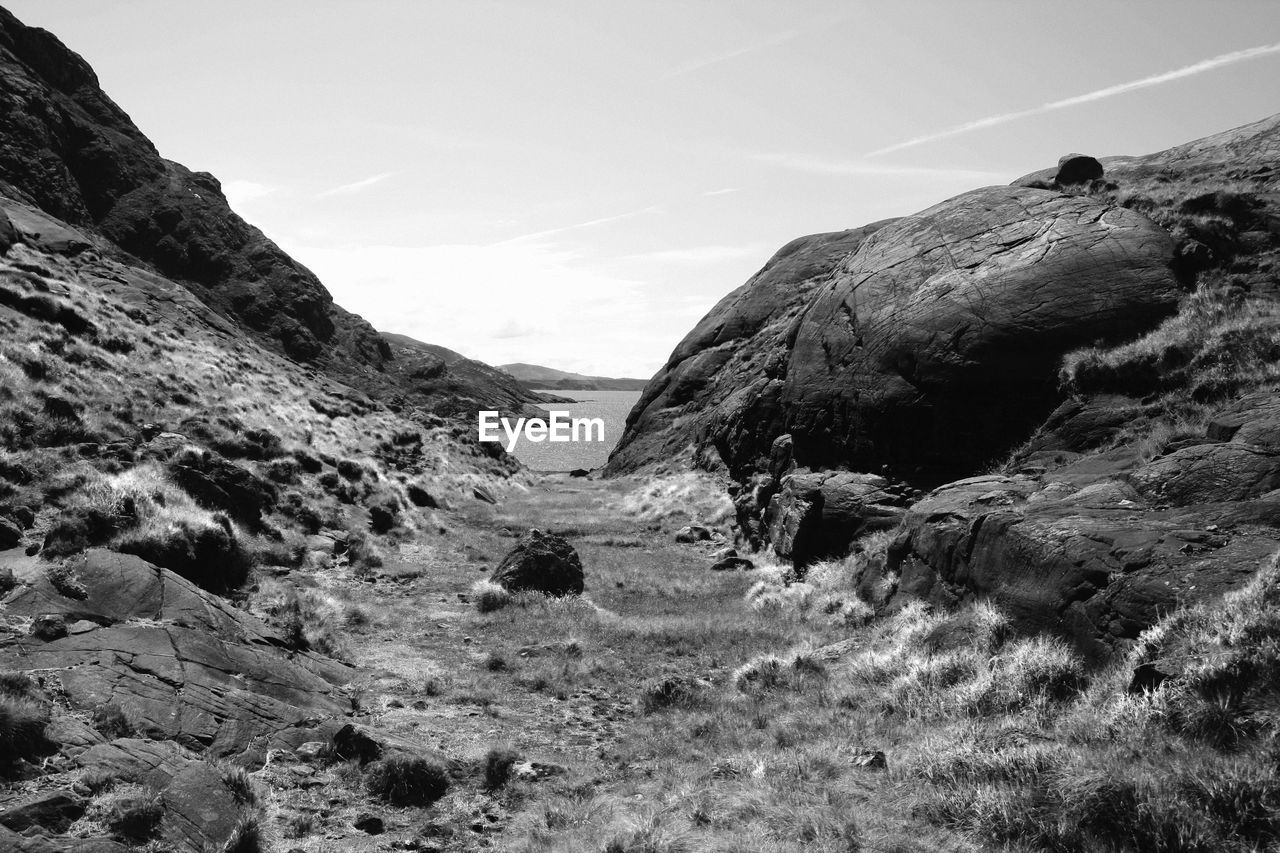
x,y
541,562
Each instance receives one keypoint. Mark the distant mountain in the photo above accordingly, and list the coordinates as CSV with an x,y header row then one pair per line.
x,y
536,376
457,384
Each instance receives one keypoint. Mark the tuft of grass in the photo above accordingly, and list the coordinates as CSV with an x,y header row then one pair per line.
x,y
307,620
489,596
22,725
497,766
406,780
129,812
669,692
111,721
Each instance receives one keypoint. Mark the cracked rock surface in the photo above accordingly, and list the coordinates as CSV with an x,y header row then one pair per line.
x,y
185,665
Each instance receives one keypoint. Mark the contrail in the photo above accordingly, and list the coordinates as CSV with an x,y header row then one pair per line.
x,y
1096,95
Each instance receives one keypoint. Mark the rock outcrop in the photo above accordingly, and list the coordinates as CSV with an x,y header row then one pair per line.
x,y
181,663
1027,323
936,345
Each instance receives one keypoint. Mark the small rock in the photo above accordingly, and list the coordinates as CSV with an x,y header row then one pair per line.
x,y
10,535
350,742
483,494
369,824
312,750
729,564
49,627
717,556
693,533
870,759
421,497
579,472
54,810
532,771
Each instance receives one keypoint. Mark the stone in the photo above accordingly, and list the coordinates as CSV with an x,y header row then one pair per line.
x,y
354,744
221,484
185,664
693,533
729,564
579,472
541,562
200,812
312,750
419,496
818,515
870,759
718,392
52,810
1090,564
480,493
1077,169
10,535
369,824
49,627
937,343
24,516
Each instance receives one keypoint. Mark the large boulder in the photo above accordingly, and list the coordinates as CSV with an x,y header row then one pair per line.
x,y
936,345
541,562
1077,169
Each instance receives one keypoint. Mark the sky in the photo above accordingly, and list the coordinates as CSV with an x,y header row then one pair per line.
x,y
576,184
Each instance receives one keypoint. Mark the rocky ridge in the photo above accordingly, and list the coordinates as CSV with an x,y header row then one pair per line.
x,y
1059,391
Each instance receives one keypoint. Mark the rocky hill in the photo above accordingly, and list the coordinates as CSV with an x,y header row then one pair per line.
x,y
186,465
536,376
68,152
1095,344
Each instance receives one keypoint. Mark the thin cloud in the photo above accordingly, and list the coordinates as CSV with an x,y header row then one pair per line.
x,y
726,56
820,166
724,191
590,223
513,329
1088,97
356,186
763,44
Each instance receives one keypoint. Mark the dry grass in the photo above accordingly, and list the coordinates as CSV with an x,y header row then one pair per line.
x,y
692,497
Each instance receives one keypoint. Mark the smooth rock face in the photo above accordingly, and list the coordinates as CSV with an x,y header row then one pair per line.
x,y
935,346
542,562
717,399
180,662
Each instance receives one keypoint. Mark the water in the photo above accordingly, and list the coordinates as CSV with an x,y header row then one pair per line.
x,y
610,406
